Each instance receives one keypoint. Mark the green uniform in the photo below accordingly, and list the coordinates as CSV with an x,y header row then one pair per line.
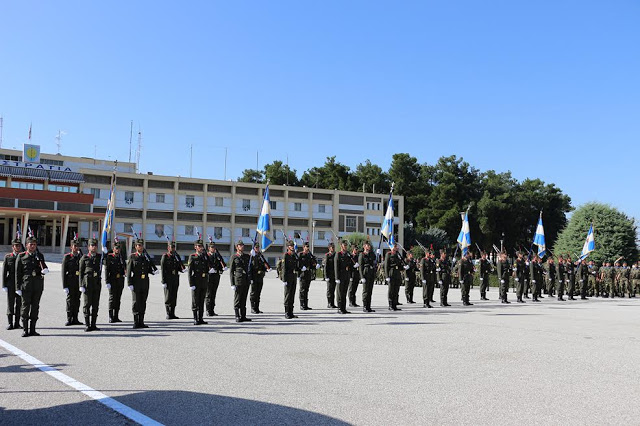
x,y
392,272
609,277
410,279
115,280
367,263
484,271
289,277
171,268
635,279
582,277
465,277
535,273
240,280
354,280
30,281
307,265
625,283
519,277
561,275
138,270
428,276
70,269
199,268
504,274
330,278
551,276
14,302
342,266
443,275
213,282
91,282
570,272
594,284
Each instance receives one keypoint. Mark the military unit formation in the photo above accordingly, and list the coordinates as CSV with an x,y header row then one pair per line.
x,y
343,271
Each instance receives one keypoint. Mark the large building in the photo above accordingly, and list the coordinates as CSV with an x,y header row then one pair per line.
x,y
62,195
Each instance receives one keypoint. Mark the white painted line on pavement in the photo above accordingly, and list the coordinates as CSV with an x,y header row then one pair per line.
x,y
81,387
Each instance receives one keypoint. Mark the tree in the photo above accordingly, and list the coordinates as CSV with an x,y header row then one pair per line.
x,y
332,175
371,177
279,174
252,175
356,239
615,234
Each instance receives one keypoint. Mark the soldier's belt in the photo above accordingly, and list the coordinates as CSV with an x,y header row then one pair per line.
x,y
143,276
77,272
117,275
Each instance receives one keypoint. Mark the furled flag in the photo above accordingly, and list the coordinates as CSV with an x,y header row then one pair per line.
x,y
265,226
387,223
589,244
109,214
538,239
464,238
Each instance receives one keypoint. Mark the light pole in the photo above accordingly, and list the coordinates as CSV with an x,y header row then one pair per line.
x,y
313,234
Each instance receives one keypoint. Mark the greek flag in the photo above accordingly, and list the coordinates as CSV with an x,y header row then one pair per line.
x,y
387,223
538,239
109,214
464,238
589,244
265,225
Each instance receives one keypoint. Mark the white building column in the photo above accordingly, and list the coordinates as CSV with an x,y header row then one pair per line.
x,y
65,232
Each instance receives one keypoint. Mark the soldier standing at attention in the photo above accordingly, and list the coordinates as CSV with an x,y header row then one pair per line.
x,y
239,275
71,283
342,266
355,277
138,269
551,276
306,265
443,273
171,268
570,269
519,276
367,264
259,268
485,270
624,274
427,274
14,302
115,281
635,278
30,273
213,281
535,272
594,287
393,275
199,267
90,285
329,276
465,276
289,273
504,273
562,278
582,275
410,279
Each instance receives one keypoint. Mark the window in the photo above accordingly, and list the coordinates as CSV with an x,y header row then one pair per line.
x,y
63,188
95,192
189,201
188,230
219,201
128,227
217,232
297,233
51,162
159,198
128,197
297,207
246,204
3,183
322,208
369,206
159,230
245,232
27,185
350,224
273,205
321,235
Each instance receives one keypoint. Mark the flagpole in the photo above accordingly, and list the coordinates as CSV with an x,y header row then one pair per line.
x,y
378,253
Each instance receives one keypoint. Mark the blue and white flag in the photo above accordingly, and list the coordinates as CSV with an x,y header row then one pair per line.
x,y
589,244
109,214
265,225
538,239
387,223
464,238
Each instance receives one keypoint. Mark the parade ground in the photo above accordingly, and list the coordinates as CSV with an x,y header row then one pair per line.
x,y
536,363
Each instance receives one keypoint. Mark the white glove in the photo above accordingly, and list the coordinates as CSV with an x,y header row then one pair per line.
x,y
501,281
517,280
182,271
461,282
318,266
225,268
337,281
152,272
131,287
406,267
356,265
253,252
108,286
233,287
251,282
304,268
388,280
327,279
83,289
580,281
406,279
438,269
378,252
164,285
481,279
212,271
440,282
193,288
19,293
284,283
363,281
66,290
424,281
45,271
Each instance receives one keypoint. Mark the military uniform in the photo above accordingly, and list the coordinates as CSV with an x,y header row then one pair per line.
x,y
465,277
593,278
410,279
367,264
635,279
91,283
171,267
14,302
238,274
504,274
562,279
199,268
570,269
443,275
213,282
306,264
519,276
289,277
330,278
342,267
484,271
138,269
70,269
608,278
354,280
259,268
30,282
550,277
115,273
393,265
428,277
535,272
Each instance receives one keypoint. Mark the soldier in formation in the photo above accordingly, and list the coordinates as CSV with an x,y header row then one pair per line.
x,y
171,266
139,267
393,265
30,272
465,277
199,268
14,301
218,266
91,284
367,264
307,266
505,271
428,278
410,277
240,277
443,274
70,269
330,275
342,266
289,274
484,271
116,265
260,267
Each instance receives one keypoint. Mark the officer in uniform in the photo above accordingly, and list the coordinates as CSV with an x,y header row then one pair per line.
x,y
570,272
259,267
171,267
410,277
504,274
342,267
465,276
535,272
90,285
582,275
289,274
306,264
367,264
594,285
550,269
561,275
427,275
330,276
485,270
199,267
71,283
14,302
239,265
392,271
30,272
635,278
219,266
519,276
138,269
443,274
116,263
355,277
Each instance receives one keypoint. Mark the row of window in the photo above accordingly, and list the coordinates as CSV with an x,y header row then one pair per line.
x,y
217,231
374,206
39,186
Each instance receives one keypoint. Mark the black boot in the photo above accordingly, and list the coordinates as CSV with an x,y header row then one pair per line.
x,y
94,318
200,319
87,323
173,313
237,312
136,321
243,313
69,320
10,318
168,311
142,324
75,319
111,321
116,315
254,310
468,302
25,329
195,318
32,330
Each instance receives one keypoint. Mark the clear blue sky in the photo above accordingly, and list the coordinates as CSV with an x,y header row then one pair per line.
x,y
547,89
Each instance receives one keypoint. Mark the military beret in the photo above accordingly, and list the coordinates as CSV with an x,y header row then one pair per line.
x,y
75,242
31,240
367,242
199,242
16,241
344,242
211,244
240,243
291,244
331,245
306,244
172,244
140,241
93,242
